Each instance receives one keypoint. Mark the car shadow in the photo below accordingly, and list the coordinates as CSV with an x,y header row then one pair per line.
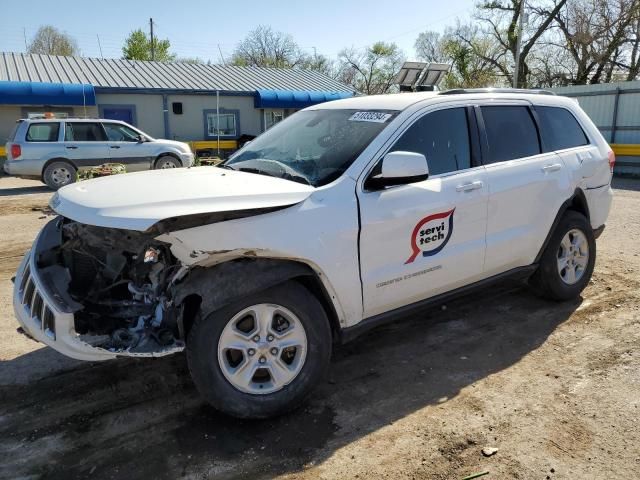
x,y
144,418
17,191
625,183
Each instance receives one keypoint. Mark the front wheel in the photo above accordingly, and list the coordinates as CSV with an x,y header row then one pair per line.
x,y
167,161
262,355
568,260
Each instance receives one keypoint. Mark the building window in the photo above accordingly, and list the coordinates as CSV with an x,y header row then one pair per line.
x,y
271,117
223,125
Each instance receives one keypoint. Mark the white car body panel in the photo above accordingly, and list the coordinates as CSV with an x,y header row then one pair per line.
x,y
144,198
321,231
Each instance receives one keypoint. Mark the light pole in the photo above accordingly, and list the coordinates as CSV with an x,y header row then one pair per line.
x,y
519,44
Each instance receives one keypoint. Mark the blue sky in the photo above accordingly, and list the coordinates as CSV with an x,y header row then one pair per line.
x,y
197,27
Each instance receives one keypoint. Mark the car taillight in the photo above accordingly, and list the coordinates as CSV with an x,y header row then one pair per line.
x,y
612,160
16,151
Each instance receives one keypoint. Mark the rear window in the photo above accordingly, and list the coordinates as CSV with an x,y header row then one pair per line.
x,y
84,132
511,133
12,136
43,132
560,129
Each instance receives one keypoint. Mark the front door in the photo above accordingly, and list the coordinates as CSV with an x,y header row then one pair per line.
x,y
425,238
125,147
527,187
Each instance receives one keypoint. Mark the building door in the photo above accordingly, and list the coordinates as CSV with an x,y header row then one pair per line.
x,y
122,113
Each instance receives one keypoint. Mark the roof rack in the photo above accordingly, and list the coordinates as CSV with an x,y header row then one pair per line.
x,y
458,91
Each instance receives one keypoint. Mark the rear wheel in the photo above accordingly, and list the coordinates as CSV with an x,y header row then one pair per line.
x,y
568,260
167,161
58,174
262,355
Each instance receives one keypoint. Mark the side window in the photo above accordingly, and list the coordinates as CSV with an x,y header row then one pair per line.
x,y
560,129
442,137
84,132
511,133
120,133
43,132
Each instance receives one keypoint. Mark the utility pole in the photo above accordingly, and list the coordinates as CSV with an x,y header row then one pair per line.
x,y
24,33
153,46
221,56
519,44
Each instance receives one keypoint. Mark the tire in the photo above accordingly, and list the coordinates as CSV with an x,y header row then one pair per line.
x,y
58,174
167,161
214,367
570,241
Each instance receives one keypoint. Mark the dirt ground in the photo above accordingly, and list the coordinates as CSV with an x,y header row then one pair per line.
x,y
555,387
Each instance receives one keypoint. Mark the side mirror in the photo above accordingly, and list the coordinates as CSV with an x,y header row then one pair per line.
x,y
399,168
141,139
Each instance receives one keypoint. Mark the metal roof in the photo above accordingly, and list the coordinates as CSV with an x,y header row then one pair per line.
x,y
139,75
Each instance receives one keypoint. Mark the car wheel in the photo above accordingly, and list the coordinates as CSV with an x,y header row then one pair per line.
x,y
167,161
568,260
58,174
261,356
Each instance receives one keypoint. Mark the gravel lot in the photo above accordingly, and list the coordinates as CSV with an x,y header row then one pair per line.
x,y
554,387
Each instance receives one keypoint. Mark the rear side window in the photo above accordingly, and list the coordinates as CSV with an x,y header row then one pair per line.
x,y
442,137
43,132
511,133
84,132
560,129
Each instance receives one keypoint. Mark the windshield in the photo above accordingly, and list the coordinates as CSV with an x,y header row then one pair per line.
x,y
312,146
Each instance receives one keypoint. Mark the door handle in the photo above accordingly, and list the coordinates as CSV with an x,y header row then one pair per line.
x,y
467,187
71,147
551,168
114,146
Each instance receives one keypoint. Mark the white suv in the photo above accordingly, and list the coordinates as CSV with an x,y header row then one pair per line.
x,y
341,217
53,150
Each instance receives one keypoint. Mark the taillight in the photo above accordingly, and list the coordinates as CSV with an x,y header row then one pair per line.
x,y
16,150
612,160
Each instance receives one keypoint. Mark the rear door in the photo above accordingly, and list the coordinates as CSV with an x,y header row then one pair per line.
x,y
425,238
85,143
527,186
125,147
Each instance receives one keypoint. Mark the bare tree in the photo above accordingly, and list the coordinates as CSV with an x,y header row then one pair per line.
x,y
596,34
264,47
371,70
499,20
428,47
49,40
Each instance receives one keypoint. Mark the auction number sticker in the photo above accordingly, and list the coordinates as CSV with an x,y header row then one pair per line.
x,y
375,117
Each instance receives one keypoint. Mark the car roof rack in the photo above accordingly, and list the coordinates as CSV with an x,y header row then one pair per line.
x,y
459,91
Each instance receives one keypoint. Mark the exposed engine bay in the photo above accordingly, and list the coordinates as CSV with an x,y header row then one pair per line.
x,y
121,279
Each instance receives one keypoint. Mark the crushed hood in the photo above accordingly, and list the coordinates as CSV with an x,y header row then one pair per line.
x,y
136,201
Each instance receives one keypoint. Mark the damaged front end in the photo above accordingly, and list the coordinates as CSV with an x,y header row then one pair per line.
x,y
107,288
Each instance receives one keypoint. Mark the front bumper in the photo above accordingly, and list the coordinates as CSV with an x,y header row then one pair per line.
x,y
46,312
187,159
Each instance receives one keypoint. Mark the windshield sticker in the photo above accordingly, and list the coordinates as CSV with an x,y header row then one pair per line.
x,y
375,117
431,234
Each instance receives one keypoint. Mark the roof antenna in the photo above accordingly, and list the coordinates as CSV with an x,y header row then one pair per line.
x,y
221,56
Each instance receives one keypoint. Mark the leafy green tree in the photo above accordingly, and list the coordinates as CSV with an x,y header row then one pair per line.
x,y
371,70
137,46
49,40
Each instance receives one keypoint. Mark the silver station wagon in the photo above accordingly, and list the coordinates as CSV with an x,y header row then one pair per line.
x,y
53,150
